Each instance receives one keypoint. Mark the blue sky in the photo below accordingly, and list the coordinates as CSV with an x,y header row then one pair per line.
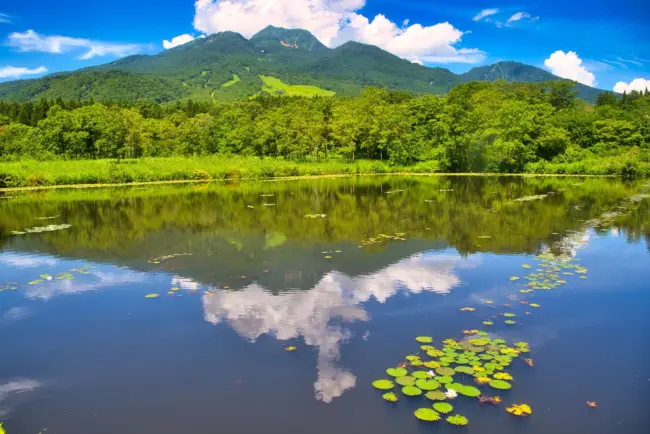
x,y
598,42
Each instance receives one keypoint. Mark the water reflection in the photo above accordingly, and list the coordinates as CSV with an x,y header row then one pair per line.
x,y
253,311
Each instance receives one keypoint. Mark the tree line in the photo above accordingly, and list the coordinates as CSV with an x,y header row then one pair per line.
x,y
478,126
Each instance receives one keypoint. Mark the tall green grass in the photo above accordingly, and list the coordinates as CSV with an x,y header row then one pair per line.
x,y
31,173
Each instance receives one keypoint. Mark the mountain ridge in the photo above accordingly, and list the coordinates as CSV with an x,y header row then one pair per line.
x,y
205,69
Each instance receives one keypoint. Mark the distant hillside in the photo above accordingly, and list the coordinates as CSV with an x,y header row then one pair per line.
x,y
226,66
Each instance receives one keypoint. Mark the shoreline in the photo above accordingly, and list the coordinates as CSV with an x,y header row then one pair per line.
x,y
291,178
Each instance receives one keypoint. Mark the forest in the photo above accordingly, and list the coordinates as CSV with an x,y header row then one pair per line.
x,y
477,127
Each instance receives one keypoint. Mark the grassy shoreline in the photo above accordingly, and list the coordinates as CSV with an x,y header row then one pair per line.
x,y
35,175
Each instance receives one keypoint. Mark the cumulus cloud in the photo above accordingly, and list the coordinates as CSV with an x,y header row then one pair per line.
x,y
253,311
485,13
178,40
569,65
334,23
32,41
640,84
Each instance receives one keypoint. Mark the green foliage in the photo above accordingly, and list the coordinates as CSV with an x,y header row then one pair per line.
x,y
479,127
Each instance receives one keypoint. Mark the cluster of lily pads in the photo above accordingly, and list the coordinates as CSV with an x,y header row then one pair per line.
x,y
457,367
39,229
66,275
382,238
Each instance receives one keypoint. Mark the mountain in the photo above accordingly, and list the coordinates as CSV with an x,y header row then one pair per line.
x,y
515,71
226,66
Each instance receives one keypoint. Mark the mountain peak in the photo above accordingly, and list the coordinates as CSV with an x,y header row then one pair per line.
x,y
273,38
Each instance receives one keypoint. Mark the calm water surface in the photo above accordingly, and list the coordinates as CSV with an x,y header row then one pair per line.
x,y
347,271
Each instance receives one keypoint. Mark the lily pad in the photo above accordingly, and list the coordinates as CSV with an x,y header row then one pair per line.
x,y
411,391
510,322
509,315
465,369
470,391
520,410
457,420
396,372
383,384
405,381
445,379
152,296
420,374
503,376
445,371
436,395
424,339
427,384
432,364
500,384
427,414
390,397
479,342
443,407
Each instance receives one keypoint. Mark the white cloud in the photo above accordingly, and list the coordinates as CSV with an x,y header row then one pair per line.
x,y
254,311
519,16
26,261
485,13
334,23
17,72
640,84
4,18
569,65
178,40
32,41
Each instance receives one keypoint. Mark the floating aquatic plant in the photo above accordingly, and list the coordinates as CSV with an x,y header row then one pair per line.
x,y
500,384
443,407
152,296
290,348
467,309
396,372
427,414
427,384
411,391
390,397
405,381
520,410
424,339
457,420
383,384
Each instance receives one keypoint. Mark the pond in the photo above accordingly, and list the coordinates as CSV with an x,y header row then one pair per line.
x,y
273,307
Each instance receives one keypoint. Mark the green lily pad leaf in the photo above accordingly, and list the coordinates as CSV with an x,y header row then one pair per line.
x,y
396,372
427,348
390,397
411,391
152,296
479,342
510,322
443,407
412,357
498,341
435,353
420,374
424,339
427,414
427,384
445,379
470,391
488,323
509,314
500,384
457,420
445,371
447,359
465,369
383,384
436,395
405,381
417,363
482,333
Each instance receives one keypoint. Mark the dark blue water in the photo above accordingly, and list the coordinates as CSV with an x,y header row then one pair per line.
x,y
93,355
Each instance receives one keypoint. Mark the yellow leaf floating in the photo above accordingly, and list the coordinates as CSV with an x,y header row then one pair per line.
x,y
175,288
534,305
520,410
526,266
467,309
152,296
290,348
503,376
